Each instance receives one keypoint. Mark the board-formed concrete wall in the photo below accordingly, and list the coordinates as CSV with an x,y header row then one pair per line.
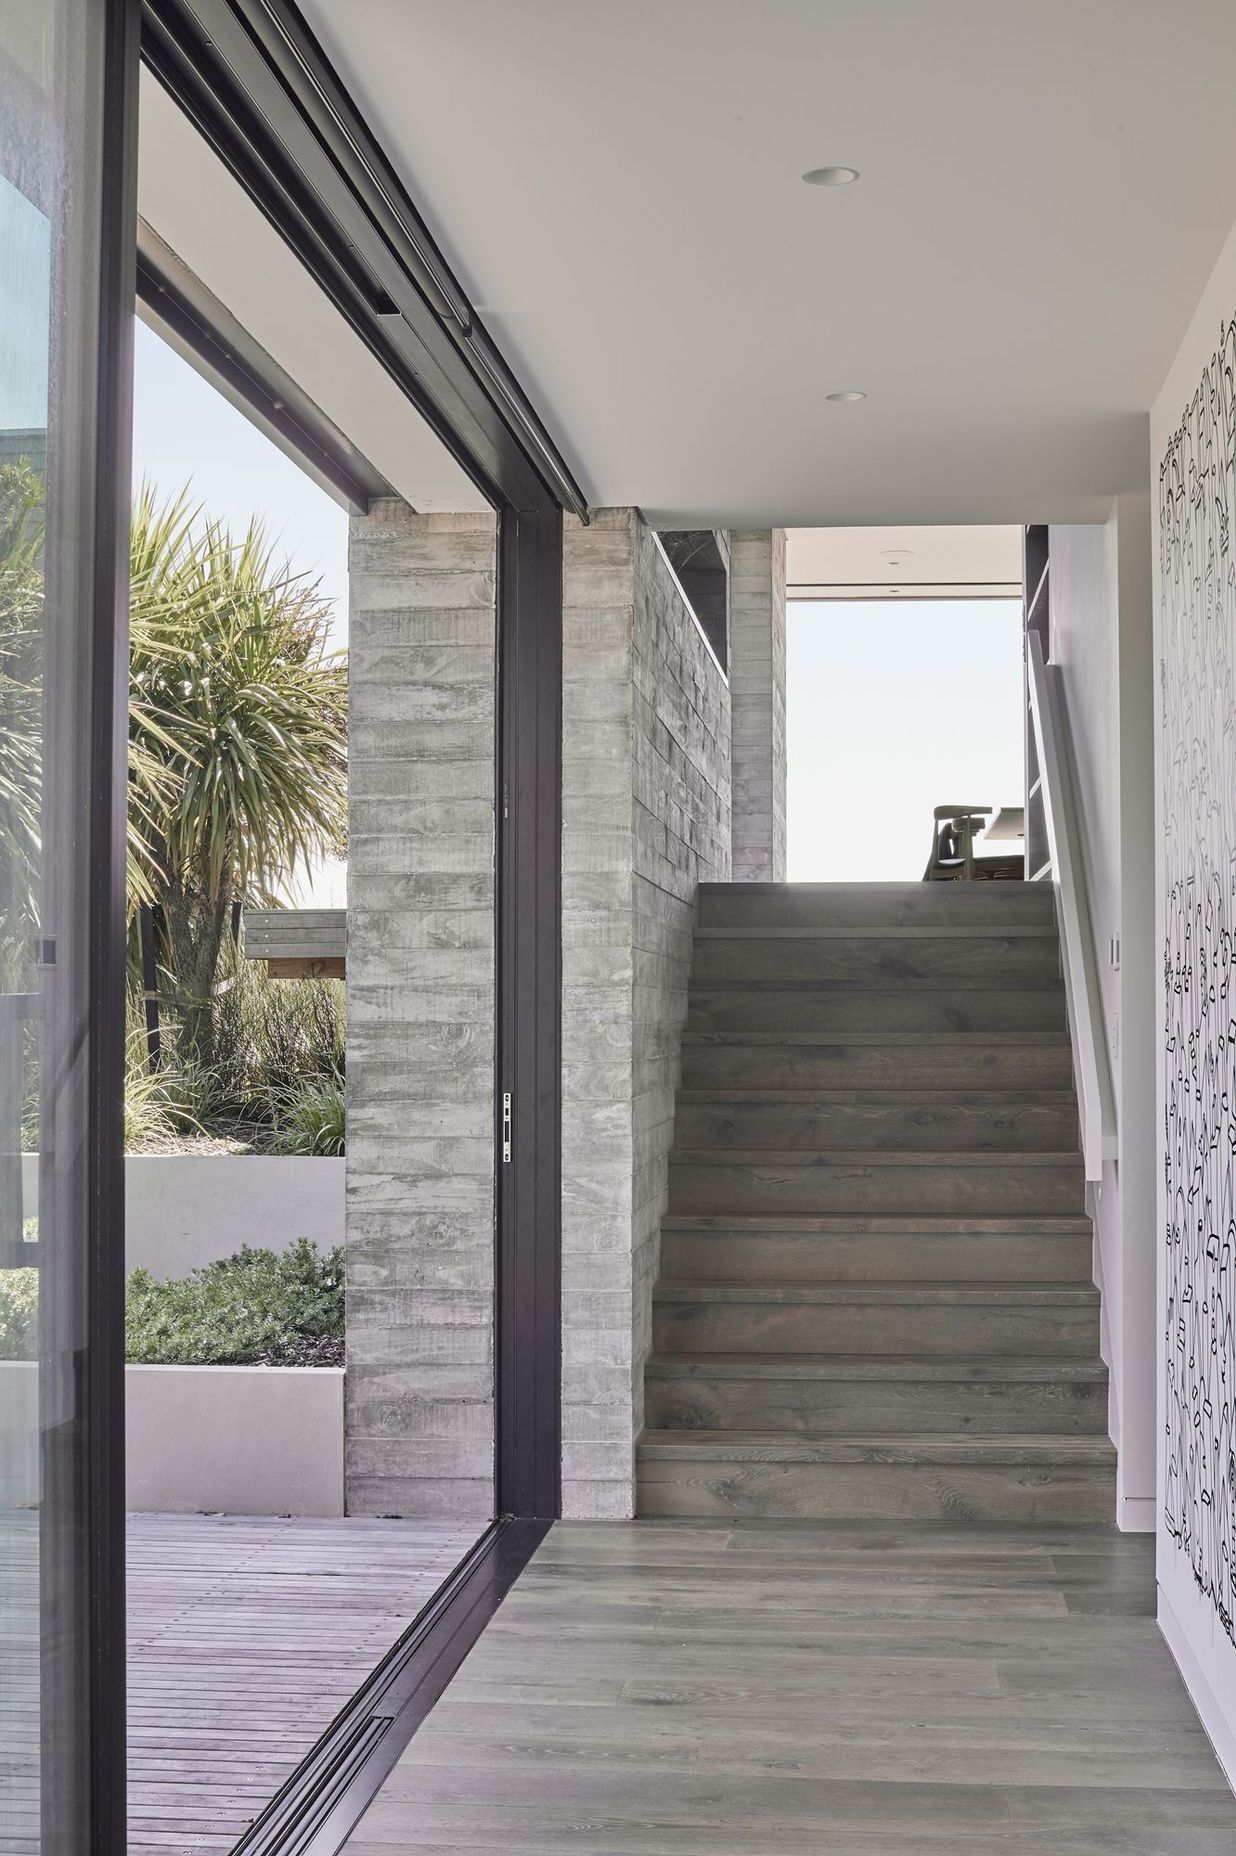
x,y
757,688
420,1161
646,817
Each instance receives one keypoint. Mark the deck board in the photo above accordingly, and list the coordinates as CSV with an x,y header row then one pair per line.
x,y
246,1637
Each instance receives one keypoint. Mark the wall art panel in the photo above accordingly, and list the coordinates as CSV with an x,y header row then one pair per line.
x,y
1197,592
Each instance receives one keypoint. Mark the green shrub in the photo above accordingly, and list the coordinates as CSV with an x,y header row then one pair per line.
x,y
19,1314
311,1120
257,1306
155,1111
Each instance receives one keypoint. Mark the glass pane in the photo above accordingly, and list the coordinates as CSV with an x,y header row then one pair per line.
x,y
49,72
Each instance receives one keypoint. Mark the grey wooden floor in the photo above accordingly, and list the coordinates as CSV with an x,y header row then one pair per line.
x,y
246,1636
706,1689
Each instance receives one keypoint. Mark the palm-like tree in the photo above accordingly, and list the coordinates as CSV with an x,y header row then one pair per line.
x,y
237,731
21,712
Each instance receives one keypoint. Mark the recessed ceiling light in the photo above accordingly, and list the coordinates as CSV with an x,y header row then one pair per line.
x,y
848,398
830,177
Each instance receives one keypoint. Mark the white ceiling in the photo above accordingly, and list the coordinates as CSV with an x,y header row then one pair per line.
x,y
1044,190
903,563
190,200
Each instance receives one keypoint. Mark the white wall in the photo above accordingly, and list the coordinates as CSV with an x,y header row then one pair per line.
x,y
234,1439
1100,638
186,1210
1193,439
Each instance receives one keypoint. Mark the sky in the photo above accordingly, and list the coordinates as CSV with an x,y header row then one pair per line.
x,y
893,708
184,431
25,273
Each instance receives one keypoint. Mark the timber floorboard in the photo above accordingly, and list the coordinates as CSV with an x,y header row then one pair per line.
x,y
691,1688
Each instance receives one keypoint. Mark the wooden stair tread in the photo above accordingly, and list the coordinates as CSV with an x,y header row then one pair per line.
x,y
896,984
875,1156
947,1096
1018,1224
881,931
949,1294
954,1040
897,1047
913,1447
1022,1369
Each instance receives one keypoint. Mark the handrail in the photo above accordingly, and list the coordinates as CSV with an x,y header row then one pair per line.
x,y
1091,1066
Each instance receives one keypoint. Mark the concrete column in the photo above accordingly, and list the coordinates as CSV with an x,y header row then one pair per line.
x,y
757,696
420,1163
646,818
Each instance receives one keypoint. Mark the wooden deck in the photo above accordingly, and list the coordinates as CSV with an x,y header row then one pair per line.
x,y
246,1636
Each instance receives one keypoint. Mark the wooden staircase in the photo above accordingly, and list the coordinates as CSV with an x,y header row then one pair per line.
x,y
876,1296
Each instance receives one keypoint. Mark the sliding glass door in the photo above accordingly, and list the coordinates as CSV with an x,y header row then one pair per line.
x,y
59,376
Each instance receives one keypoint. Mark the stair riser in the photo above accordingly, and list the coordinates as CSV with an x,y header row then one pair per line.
x,y
758,1067
837,1407
997,960
917,1256
818,1187
911,1128
1052,1330
961,1008
876,1492
867,905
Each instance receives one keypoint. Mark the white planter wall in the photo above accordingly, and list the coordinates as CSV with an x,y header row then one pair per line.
x,y
234,1439
202,1439
19,1443
184,1210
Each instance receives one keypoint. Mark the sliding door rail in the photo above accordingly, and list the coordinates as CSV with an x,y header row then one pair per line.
x,y
252,78
315,1812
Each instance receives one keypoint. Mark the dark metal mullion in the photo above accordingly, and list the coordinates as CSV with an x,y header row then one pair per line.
x,y
106,1020
530,970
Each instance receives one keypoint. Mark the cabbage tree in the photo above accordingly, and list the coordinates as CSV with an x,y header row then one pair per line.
x,y
237,732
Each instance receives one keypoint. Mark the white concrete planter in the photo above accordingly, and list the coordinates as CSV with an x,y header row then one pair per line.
x,y
234,1439
202,1439
19,1441
184,1210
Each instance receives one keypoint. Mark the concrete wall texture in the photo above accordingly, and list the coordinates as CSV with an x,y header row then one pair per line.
x,y
646,817
757,690
420,1162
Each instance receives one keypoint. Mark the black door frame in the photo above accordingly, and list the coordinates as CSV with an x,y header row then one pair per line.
x,y
257,86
